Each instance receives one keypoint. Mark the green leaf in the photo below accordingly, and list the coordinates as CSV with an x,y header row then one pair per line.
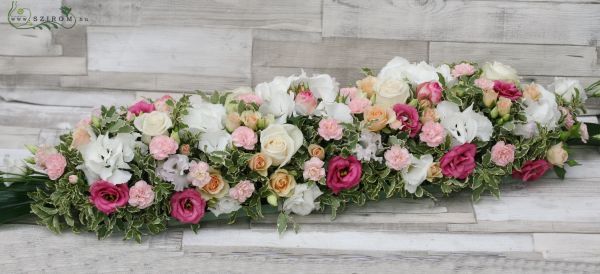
x,y
572,162
282,222
560,172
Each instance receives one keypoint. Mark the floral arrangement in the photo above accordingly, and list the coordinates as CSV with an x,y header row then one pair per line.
x,y
299,144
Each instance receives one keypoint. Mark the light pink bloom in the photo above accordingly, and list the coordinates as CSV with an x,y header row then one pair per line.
x,y
73,179
433,134
161,103
41,155
462,69
359,105
484,84
198,173
569,121
430,91
349,92
313,169
503,154
250,98
306,103
397,158
141,195
55,165
583,132
244,137
84,122
162,146
242,191
330,129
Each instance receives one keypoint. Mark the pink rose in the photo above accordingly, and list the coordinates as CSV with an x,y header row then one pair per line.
x,y
55,165
583,132
507,90
484,84
108,197
433,134
242,191
306,103
250,98
244,137
199,173
349,93
187,206
343,173
141,195
313,169
73,179
430,91
141,107
408,119
359,105
162,146
459,162
397,158
161,103
532,170
503,154
462,69
329,129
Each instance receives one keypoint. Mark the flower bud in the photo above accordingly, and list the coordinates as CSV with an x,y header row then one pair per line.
x,y
489,98
95,121
272,200
494,113
175,136
414,102
29,160
33,149
503,105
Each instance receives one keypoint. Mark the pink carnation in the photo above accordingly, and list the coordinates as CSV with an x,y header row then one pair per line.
x,y
397,158
313,169
242,191
55,165
503,154
329,129
141,195
250,98
484,84
161,103
244,137
41,155
141,107
433,134
162,146
462,69
349,92
199,174
359,105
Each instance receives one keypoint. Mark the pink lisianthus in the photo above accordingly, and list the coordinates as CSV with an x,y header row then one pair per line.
x,y
397,158
306,103
569,121
141,195
532,170
343,173
359,105
503,154
244,137
162,146
329,129
433,134
55,165
199,173
161,103
408,119
313,169
141,106
484,84
242,191
187,206
463,69
430,91
349,93
507,90
250,98
108,197
459,162
583,132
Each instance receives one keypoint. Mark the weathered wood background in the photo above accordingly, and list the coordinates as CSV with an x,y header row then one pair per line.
x,y
132,48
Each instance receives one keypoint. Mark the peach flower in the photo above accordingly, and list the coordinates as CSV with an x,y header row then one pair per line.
x,y
376,117
429,115
260,163
366,85
282,183
504,105
557,155
315,150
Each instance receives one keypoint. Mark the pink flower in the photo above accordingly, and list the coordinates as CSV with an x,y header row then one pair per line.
x,y
583,132
430,91
161,103
503,154
199,173
187,206
459,162
569,121
359,105
242,191
162,146
306,103
313,169
349,92
408,117
433,134
73,179
108,197
55,165
141,195
343,173
250,98
141,107
42,154
244,137
532,170
462,69
397,158
330,129
507,90
484,84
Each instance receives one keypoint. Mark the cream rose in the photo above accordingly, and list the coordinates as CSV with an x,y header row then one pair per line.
x,y
280,142
499,71
154,123
557,155
390,91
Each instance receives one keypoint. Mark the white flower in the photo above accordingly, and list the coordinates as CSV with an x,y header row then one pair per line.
x,y
214,141
13,166
544,112
416,172
390,91
338,111
302,202
154,123
421,73
280,142
105,158
225,205
174,170
368,146
499,71
205,117
445,71
466,125
322,86
568,89
278,101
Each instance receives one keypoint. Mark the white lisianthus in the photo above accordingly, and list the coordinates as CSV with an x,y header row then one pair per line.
x,y
415,173
466,125
544,112
154,123
499,71
338,111
302,202
214,141
278,101
445,71
225,205
205,117
568,89
281,142
421,73
106,158
323,86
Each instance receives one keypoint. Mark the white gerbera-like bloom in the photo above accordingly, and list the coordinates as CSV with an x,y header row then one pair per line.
x,y
466,125
225,205
415,173
544,112
205,117
106,158
302,202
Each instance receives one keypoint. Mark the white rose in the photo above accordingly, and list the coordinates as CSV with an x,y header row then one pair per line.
x,y
225,205
499,71
278,101
205,117
416,172
390,91
568,89
214,141
154,123
280,142
105,158
302,202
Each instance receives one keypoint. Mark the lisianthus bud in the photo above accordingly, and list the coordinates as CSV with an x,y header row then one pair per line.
x,y
233,121
503,106
489,97
414,102
272,200
494,113
33,149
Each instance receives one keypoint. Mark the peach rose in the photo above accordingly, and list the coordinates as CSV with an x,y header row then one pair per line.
x,y
315,150
557,155
489,97
376,117
250,119
260,163
233,121
81,137
366,85
434,171
282,183
216,187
